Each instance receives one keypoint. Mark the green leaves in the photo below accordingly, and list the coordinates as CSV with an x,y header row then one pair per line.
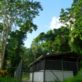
x,y
18,18
51,42
73,16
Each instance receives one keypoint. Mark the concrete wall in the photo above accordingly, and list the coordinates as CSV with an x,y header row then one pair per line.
x,y
51,75
30,77
38,76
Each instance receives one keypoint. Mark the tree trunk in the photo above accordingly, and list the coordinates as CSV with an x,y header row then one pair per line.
x,y
5,32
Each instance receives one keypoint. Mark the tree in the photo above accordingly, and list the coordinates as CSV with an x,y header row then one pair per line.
x,y
73,16
17,18
54,41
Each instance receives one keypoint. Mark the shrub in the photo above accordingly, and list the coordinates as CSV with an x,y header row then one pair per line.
x,y
77,78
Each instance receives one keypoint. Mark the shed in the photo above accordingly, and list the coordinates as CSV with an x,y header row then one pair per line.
x,y
55,67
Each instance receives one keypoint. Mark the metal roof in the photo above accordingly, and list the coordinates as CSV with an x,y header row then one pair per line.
x,y
64,55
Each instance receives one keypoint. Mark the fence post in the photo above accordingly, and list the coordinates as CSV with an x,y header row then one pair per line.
x,y
18,72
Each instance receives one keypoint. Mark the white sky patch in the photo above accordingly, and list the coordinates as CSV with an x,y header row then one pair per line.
x,y
55,23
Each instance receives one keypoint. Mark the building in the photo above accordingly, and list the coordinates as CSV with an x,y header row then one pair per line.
x,y
56,67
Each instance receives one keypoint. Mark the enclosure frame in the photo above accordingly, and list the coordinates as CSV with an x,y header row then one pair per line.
x,y
41,62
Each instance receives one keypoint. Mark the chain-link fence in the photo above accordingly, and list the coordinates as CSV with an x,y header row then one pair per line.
x,y
18,72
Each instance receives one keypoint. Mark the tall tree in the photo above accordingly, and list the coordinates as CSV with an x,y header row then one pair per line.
x,y
17,16
73,16
51,42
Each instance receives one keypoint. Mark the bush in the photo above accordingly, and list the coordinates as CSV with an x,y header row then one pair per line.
x,y
3,73
77,78
7,79
74,79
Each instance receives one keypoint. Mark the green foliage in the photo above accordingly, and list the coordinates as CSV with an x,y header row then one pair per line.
x,y
51,42
19,11
77,78
68,38
69,80
73,19
20,14
74,79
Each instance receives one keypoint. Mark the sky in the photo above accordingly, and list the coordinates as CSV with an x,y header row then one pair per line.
x,y
48,18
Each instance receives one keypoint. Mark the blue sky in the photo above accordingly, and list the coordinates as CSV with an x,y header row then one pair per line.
x,y
48,18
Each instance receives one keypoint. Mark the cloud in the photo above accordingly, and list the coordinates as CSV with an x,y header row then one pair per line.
x,y
55,23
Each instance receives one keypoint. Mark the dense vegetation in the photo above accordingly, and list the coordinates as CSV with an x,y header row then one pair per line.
x,y
68,38
17,21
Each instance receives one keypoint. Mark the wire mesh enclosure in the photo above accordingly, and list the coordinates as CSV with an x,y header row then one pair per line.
x,y
49,68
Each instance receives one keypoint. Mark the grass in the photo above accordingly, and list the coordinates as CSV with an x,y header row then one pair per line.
x,y
7,79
